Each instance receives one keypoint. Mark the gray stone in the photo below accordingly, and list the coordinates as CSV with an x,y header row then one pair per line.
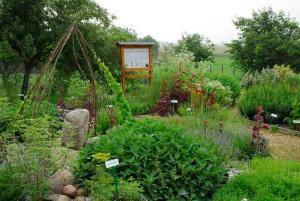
x,y
80,198
60,179
52,197
75,128
64,198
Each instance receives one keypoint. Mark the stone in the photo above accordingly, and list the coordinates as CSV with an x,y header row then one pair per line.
x,y
70,190
52,197
60,179
92,140
80,192
75,128
64,198
80,198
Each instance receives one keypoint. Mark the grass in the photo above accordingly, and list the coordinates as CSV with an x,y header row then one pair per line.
x,y
266,180
228,67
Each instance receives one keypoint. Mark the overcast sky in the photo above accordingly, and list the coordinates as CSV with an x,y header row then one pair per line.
x,y
166,20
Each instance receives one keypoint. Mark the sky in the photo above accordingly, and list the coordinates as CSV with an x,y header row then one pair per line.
x,y
167,20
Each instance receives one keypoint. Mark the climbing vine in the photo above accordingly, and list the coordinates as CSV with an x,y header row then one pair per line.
x,y
121,101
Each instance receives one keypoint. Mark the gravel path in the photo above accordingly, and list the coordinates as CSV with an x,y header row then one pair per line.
x,y
283,146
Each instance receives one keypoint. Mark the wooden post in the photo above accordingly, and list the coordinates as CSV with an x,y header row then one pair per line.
x,y
222,67
150,65
123,75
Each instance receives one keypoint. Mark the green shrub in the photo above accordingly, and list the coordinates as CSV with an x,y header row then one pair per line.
x,y
267,180
103,189
209,87
274,99
228,81
31,163
168,163
103,122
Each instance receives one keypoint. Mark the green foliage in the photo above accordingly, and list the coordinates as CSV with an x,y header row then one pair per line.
x,y
223,93
76,92
121,101
167,162
103,122
169,57
228,81
267,38
227,129
266,180
295,112
202,48
102,188
274,99
31,163
274,128
149,38
278,74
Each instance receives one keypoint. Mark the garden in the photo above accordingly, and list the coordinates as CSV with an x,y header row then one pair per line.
x,y
200,126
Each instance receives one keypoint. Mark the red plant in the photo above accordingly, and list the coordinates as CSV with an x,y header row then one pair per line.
x,y
212,99
163,105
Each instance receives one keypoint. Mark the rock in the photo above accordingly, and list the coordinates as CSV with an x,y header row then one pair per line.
x,y
52,197
80,198
92,140
61,178
75,128
80,192
63,198
70,190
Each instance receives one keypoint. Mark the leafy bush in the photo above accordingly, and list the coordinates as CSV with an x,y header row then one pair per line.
x,y
278,74
222,93
274,99
228,81
267,180
167,162
30,163
103,189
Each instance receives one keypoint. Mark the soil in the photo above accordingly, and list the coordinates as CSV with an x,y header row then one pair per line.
x,y
283,146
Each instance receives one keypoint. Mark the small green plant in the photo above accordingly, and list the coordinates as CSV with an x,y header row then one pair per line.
x,y
168,163
274,128
267,179
228,81
294,114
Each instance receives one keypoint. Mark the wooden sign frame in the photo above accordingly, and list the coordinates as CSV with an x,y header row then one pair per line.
x,y
127,69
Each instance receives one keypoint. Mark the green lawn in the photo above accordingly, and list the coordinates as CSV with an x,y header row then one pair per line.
x,y
216,66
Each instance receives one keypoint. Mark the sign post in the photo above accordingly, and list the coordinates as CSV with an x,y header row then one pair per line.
x,y
113,165
136,57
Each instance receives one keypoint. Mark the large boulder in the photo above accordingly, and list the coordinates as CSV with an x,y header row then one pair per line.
x,y
75,128
70,190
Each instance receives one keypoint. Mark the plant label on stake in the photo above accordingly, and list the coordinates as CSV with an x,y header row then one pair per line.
x,y
113,164
296,121
274,115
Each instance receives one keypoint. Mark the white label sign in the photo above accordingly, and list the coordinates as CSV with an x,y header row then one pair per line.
x,y
111,163
296,121
174,101
274,115
136,57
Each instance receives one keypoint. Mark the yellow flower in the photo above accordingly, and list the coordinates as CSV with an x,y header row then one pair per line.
x,y
101,156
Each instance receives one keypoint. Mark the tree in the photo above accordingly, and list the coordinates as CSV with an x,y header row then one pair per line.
x,y
32,28
201,47
267,38
149,38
